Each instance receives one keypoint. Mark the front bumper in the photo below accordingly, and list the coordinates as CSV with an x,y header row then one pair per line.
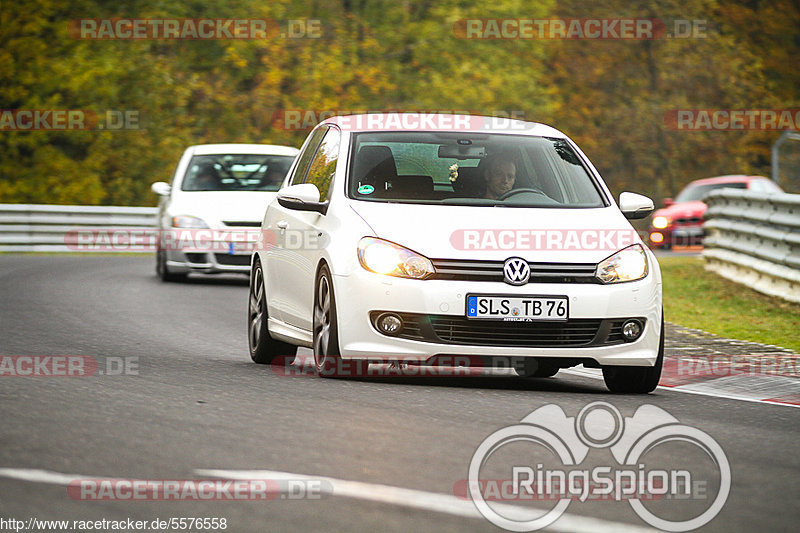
x,y
363,292
208,262
678,236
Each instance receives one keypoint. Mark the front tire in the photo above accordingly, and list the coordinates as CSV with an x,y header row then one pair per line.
x,y
636,379
162,270
327,356
263,348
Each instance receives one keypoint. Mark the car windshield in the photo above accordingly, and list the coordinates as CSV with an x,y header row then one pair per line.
x,y
236,172
693,193
469,169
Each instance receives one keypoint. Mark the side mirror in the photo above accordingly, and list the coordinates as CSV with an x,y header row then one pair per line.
x,y
161,188
302,197
668,202
635,206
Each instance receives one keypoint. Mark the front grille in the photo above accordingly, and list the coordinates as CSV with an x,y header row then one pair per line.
x,y
615,332
453,329
193,257
470,270
689,220
242,224
458,330
412,327
233,260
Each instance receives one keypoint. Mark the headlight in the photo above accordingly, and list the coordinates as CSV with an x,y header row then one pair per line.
x,y
660,222
629,264
185,221
384,257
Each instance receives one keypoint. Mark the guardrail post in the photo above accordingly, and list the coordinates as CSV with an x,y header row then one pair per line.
x,y
786,135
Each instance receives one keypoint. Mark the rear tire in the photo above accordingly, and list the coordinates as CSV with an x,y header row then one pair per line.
x,y
636,379
162,270
263,348
327,356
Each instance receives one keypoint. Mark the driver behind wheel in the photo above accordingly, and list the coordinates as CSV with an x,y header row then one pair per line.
x,y
500,175
206,178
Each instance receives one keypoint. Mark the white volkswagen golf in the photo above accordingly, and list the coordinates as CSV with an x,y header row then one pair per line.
x,y
216,201
413,238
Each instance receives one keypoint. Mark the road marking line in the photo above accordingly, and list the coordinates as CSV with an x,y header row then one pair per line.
x,y
428,501
41,476
706,388
418,499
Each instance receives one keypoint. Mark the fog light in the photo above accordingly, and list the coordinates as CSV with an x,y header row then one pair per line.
x,y
389,324
656,237
631,330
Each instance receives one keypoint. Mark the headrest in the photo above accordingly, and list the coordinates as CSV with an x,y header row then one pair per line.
x,y
373,164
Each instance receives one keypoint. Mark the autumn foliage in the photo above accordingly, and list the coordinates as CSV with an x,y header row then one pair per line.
x,y
610,95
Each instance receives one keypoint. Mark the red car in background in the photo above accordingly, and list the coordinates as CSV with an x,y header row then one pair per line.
x,y
680,222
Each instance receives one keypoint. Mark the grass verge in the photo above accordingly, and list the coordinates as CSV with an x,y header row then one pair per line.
x,y
703,300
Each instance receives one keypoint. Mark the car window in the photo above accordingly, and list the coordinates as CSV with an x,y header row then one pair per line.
x,y
452,168
323,166
236,172
304,159
698,192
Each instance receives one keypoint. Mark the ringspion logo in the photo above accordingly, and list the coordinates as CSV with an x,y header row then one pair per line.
x,y
544,458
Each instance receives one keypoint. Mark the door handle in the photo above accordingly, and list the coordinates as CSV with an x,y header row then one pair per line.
x,y
282,224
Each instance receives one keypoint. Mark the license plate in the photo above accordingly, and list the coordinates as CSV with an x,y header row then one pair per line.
x,y
687,232
240,248
517,308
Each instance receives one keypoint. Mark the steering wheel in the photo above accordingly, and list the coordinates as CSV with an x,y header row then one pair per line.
x,y
512,192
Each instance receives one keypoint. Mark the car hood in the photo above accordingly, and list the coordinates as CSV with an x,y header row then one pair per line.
x,y
682,210
497,233
217,206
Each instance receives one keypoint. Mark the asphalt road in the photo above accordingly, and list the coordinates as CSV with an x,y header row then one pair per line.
x,y
193,401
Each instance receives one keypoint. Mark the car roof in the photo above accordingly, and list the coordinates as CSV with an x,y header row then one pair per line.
x,y
374,122
236,148
730,178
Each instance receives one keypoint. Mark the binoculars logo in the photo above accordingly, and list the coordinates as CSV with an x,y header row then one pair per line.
x,y
599,425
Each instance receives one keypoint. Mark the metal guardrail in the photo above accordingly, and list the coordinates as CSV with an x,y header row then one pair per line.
x,y
55,228
754,239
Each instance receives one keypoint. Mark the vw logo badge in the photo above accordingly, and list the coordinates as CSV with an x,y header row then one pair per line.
x,y
516,271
